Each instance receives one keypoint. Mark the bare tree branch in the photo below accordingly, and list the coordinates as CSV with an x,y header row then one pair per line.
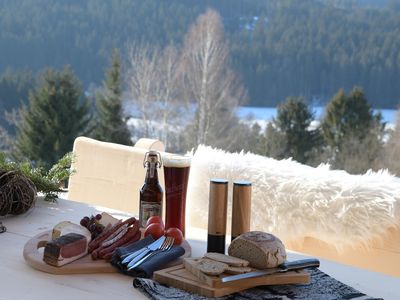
x,y
153,81
208,80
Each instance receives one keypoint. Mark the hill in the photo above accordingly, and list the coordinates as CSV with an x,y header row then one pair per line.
x,y
279,47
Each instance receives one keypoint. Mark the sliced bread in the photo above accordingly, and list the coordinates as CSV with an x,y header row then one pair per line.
x,y
211,267
229,260
237,270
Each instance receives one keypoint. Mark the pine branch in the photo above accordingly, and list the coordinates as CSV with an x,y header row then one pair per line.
x,y
49,183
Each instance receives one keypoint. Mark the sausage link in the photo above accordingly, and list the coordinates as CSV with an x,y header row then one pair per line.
x,y
109,255
132,232
115,236
97,241
102,236
95,252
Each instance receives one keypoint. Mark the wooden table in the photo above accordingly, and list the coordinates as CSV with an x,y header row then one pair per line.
x,y
19,281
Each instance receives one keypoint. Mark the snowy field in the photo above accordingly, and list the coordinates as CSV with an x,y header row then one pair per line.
x,y
262,115
251,115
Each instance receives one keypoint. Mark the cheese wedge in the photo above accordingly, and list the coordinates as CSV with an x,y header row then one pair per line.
x,y
66,227
106,219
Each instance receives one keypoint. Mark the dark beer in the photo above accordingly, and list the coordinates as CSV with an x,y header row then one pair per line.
x,y
151,193
176,175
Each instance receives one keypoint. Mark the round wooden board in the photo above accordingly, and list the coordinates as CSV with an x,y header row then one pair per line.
x,y
85,265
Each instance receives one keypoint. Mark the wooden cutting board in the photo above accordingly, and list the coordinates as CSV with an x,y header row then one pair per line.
x,y
274,279
33,255
181,278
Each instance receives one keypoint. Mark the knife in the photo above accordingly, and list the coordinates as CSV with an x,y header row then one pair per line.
x,y
287,266
152,247
131,256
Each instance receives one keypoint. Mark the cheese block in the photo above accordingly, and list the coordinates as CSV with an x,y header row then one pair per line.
x,y
66,227
261,249
65,249
106,219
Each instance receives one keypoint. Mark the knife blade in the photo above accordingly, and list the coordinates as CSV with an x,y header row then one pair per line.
x,y
287,266
138,252
152,247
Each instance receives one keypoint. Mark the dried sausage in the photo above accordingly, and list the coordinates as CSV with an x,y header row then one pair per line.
x,y
109,255
131,234
105,235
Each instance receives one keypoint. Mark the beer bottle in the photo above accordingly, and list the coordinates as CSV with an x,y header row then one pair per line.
x,y
151,192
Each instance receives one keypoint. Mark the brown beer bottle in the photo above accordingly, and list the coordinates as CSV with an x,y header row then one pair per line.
x,y
151,192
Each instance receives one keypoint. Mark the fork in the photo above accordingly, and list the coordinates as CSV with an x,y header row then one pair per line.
x,y
167,245
151,249
138,255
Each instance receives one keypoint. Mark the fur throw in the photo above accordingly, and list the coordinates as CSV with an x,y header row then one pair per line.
x,y
294,201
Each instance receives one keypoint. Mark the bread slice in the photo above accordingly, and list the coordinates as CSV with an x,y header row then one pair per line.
x,y
229,260
237,270
211,267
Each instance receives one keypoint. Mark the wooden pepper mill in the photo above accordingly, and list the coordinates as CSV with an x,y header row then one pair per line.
x,y
241,208
217,215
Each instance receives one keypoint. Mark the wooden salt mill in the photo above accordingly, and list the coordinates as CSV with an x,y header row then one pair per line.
x,y
241,208
217,215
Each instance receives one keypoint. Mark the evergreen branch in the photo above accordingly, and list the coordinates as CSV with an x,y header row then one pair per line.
x,y
49,183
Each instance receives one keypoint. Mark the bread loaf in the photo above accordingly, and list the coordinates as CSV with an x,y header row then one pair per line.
x,y
262,250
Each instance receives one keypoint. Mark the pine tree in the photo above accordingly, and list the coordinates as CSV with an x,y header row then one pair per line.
x,y
352,132
56,114
290,135
273,142
111,125
390,156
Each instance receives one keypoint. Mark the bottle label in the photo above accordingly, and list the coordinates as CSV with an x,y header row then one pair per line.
x,y
147,210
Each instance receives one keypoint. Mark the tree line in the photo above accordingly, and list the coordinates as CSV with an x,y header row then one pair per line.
x,y
160,82
349,137
309,48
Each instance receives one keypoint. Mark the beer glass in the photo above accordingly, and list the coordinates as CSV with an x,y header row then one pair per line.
x,y
176,176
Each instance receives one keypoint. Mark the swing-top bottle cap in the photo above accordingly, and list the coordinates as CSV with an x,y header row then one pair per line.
x,y
152,157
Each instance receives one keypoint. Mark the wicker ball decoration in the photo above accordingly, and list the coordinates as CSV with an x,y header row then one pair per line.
x,y
17,193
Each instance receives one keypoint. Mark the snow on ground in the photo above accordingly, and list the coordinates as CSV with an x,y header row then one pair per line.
x,y
247,115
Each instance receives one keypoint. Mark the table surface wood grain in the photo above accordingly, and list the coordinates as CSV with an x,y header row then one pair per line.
x,y
19,281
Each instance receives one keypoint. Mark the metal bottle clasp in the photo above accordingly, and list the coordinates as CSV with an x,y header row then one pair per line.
x,y
159,161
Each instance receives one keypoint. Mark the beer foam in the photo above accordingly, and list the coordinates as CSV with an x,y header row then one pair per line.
x,y
176,161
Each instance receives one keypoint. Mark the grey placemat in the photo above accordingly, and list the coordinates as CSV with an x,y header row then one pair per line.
x,y
322,287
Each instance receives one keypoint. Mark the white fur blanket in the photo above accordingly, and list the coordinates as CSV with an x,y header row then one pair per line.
x,y
294,201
